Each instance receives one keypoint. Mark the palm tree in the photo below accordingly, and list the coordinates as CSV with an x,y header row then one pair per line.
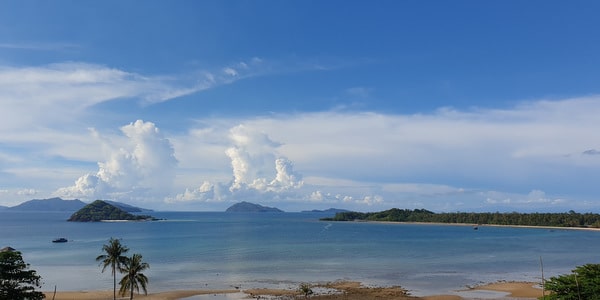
x,y
134,278
114,258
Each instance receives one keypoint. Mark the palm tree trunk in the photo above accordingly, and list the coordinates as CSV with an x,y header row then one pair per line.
x,y
114,283
131,282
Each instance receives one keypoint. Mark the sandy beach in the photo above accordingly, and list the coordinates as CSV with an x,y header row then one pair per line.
x,y
486,225
105,295
328,291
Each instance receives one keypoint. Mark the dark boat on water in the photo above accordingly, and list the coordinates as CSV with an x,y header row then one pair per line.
x,y
60,240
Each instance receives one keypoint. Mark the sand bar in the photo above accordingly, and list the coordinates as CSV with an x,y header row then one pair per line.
x,y
348,290
515,289
108,295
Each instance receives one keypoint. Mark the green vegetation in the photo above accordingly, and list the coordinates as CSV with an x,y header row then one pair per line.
x,y
134,278
132,267
306,290
114,258
100,210
16,281
582,283
569,219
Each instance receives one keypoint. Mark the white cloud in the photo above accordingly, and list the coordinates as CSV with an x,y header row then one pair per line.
x,y
143,167
376,159
27,192
46,109
448,159
230,72
40,46
534,197
256,167
61,92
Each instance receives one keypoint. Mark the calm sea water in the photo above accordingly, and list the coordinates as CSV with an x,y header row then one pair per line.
x,y
192,250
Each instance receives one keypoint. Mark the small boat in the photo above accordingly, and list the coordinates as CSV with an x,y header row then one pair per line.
x,y
60,240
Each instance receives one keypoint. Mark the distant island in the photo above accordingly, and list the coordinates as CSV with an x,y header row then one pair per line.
x,y
103,211
59,204
251,207
52,204
569,219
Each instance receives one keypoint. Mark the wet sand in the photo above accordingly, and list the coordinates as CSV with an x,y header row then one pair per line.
x,y
327,291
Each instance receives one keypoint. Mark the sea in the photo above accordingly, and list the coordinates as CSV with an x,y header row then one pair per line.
x,y
219,250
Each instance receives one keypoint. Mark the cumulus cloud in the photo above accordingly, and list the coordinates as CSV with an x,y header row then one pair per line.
x,y
142,167
261,173
206,192
251,155
446,159
437,160
256,167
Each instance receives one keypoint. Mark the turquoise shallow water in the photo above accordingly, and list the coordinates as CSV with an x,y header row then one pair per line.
x,y
222,250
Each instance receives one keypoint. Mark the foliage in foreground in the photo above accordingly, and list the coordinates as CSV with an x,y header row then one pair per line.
x,y
305,289
113,257
17,282
134,278
582,283
132,267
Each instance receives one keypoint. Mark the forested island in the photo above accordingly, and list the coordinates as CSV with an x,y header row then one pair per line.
x,y
103,211
569,219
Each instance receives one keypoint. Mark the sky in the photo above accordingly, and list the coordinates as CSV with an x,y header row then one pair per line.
x,y
362,105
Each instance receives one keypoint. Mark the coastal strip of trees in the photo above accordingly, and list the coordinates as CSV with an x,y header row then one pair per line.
x,y
568,219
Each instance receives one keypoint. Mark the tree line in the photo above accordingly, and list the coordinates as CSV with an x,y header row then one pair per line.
x,y
568,219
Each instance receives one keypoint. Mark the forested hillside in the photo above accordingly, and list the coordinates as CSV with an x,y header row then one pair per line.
x,y
102,211
569,219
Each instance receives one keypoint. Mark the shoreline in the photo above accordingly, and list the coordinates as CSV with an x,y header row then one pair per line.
x,y
477,225
326,291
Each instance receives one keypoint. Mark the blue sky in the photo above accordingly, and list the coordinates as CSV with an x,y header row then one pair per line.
x,y
195,105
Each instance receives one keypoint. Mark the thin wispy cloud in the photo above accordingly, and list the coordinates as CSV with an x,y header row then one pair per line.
x,y
40,46
62,91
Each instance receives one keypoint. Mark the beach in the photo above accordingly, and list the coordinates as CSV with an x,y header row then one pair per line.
x,y
327,291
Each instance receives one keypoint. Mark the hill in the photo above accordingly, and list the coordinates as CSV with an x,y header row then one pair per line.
x,y
52,204
251,207
102,211
58,204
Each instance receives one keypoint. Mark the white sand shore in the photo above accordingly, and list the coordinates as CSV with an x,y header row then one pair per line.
x,y
349,290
